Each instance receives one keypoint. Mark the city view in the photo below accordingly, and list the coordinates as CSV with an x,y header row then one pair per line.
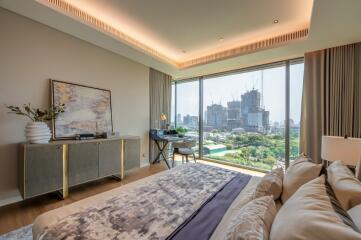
x,y
248,129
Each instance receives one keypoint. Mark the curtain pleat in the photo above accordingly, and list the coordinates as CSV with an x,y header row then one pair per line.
x,y
313,103
331,97
160,87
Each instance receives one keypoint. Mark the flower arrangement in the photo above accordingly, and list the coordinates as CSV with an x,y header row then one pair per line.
x,y
37,131
36,114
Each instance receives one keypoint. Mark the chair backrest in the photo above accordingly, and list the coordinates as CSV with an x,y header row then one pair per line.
x,y
185,144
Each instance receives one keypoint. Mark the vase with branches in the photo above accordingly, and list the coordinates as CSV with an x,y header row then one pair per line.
x,y
37,131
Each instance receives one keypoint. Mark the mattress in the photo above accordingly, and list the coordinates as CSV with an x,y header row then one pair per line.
x,y
156,207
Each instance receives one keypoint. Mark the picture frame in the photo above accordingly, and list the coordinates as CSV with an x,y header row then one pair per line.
x,y
87,109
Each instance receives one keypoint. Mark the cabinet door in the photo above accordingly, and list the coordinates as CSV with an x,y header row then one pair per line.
x,y
83,163
109,158
43,169
132,154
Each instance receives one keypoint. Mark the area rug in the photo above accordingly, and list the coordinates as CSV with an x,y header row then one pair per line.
x,y
144,211
23,233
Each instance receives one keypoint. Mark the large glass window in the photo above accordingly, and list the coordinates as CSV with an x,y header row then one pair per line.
x,y
244,114
296,86
244,118
187,104
173,109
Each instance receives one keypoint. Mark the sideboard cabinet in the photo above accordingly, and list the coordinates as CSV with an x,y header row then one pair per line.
x,y
56,166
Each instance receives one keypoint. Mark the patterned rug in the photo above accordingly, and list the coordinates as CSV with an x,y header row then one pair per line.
x,y
23,233
152,209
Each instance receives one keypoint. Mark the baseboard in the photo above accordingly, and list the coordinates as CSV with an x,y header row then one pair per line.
x,y
144,163
9,197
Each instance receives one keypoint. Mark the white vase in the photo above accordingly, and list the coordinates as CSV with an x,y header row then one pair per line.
x,y
37,132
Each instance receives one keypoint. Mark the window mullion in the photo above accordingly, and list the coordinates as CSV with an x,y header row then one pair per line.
x,y
200,117
175,105
287,116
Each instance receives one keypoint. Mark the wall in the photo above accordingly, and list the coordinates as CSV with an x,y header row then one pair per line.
x,y
30,54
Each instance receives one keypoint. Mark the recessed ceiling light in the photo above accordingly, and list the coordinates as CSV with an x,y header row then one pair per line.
x,y
221,39
275,21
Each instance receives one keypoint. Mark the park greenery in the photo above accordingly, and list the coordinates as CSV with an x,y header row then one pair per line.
x,y
255,150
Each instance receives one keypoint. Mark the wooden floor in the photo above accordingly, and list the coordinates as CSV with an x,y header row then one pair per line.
x,y
24,213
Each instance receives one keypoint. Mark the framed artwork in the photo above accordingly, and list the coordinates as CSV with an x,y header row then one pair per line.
x,y
87,109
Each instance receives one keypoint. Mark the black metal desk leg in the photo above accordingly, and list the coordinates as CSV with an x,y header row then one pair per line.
x,y
166,162
161,153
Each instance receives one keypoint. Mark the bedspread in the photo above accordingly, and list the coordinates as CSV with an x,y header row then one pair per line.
x,y
151,210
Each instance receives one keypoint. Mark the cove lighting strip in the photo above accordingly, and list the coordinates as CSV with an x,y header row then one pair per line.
x,y
78,14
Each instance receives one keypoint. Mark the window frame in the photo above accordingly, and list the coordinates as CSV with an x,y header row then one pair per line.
x,y
201,79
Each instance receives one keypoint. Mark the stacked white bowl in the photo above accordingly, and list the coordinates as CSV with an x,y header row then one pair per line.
x,y
37,132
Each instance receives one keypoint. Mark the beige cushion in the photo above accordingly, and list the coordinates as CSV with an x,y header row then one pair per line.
x,y
358,170
300,172
355,214
271,184
278,204
346,186
253,221
308,214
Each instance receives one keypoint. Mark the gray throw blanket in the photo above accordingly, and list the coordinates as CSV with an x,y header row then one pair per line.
x,y
151,210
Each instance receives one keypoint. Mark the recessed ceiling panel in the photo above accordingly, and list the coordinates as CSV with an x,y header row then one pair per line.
x,y
182,31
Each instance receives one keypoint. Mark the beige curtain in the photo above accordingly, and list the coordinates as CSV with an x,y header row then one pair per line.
x,y
160,87
331,97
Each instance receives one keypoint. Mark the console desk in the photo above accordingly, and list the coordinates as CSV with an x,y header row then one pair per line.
x,y
59,165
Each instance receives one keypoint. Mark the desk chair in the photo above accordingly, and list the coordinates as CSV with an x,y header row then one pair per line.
x,y
184,149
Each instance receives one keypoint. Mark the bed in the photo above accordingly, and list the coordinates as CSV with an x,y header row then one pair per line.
x,y
191,201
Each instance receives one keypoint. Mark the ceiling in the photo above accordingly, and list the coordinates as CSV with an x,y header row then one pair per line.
x,y
182,30
177,31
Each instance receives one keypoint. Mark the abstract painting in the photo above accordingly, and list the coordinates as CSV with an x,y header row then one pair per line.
x,y
87,109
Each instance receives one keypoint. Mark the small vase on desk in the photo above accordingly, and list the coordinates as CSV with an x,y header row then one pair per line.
x,y
37,132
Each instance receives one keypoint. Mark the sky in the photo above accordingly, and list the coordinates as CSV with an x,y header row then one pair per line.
x,y
231,87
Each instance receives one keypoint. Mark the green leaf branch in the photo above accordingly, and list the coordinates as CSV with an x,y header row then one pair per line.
x,y
37,114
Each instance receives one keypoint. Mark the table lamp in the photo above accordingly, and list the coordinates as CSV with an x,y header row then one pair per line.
x,y
163,118
346,149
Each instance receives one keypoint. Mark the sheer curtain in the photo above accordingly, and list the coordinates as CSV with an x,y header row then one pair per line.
x,y
160,87
331,101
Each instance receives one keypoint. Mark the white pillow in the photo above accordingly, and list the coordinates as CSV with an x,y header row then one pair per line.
x,y
346,186
270,184
253,220
300,172
358,170
309,214
355,214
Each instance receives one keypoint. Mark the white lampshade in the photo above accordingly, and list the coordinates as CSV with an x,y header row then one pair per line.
x,y
348,150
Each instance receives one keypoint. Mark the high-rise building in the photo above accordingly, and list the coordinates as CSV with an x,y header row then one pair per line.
x,y
190,121
216,116
254,121
187,120
255,117
250,102
266,124
179,118
247,113
234,114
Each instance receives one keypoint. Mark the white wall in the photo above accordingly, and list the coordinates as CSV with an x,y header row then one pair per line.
x,y
31,53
